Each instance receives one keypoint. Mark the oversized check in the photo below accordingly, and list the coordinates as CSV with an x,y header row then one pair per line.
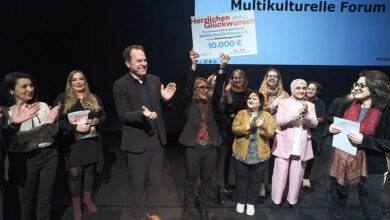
x,y
230,33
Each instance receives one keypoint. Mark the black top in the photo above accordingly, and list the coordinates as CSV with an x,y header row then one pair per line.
x,y
320,113
239,102
70,146
144,91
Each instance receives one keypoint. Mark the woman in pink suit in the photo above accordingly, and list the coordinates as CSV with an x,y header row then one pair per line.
x,y
294,117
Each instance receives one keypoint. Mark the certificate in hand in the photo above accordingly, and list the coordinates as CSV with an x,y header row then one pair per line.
x,y
340,140
231,33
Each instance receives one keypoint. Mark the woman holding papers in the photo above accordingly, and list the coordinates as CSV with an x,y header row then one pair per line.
x,y
81,116
33,158
295,117
363,171
252,128
200,136
313,88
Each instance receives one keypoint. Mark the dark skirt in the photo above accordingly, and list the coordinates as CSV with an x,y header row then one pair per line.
x,y
84,152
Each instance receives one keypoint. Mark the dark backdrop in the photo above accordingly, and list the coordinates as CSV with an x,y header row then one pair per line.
x,y
51,38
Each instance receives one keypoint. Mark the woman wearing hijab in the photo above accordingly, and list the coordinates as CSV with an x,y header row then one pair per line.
x,y
295,117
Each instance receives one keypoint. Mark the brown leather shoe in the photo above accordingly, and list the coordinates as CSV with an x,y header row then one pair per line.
x,y
153,217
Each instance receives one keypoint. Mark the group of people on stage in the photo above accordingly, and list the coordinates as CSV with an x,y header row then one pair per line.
x,y
268,135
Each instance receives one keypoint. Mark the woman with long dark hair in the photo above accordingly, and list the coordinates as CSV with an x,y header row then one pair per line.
x,y
364,171
81,117
33,158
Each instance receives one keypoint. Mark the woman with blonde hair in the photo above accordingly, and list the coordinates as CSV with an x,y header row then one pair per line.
x,y
273,92
81,116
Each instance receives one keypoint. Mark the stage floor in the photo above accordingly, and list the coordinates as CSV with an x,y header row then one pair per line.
x,y
112,192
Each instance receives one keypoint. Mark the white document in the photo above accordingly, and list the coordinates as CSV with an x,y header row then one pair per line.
x,y
340,140
81,117
230,33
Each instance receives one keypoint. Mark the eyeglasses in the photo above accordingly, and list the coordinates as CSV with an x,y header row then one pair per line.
x,y
273,76
205,88
359,85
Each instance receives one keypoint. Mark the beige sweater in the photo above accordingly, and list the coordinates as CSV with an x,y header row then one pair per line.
x,y
241,141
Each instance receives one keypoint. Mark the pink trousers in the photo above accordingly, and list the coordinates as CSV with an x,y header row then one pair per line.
x,y
282,168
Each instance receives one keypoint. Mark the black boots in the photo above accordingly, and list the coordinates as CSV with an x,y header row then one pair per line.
x,y
220,195
203,212
187,213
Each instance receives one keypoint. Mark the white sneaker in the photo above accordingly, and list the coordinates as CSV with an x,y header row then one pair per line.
x,y
306,183
250,209
262,190
240,207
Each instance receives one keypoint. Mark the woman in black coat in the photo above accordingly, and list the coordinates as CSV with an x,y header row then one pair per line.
x,y
365,170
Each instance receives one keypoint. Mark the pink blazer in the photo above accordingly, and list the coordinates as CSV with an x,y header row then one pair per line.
x,y
286,117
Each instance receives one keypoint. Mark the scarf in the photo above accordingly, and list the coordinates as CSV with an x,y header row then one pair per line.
x,y
346,168
312,100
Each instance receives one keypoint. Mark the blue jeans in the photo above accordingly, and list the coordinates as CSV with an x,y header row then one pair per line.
x,y
369,204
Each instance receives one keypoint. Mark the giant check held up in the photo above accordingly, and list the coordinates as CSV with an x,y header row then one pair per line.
x,y
230,33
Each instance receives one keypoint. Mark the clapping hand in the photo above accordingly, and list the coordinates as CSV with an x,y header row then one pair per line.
x,y
303,109
251,123
21,115
53,114
148,114
168,92
260,123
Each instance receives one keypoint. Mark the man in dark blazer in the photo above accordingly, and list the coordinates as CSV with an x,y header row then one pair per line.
x,y
139,98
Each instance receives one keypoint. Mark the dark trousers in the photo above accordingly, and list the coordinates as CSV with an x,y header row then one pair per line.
x,y
203,159
222,157
309,163
1,198
34,171
267,179
145,177
248,180
309,167
369,204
